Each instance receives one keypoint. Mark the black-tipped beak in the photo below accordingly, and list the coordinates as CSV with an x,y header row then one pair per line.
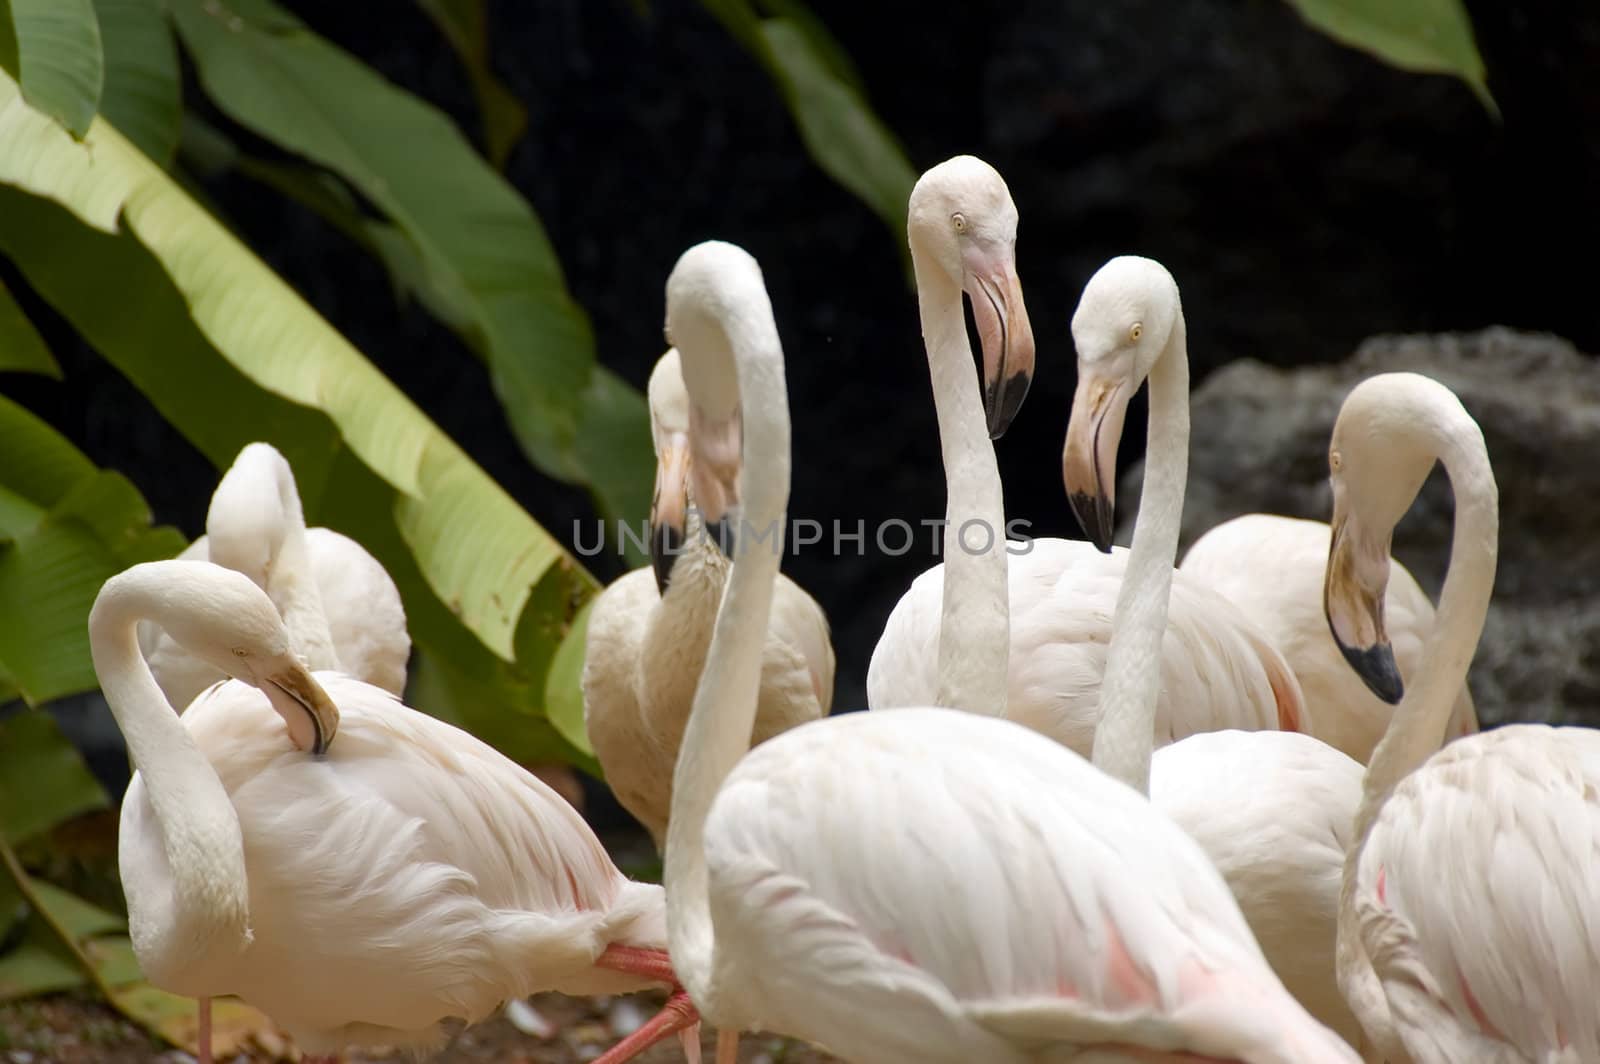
x,y
1377,668
1005,335
1096,514
305,707
1353,591
724,532
669,507
1089,460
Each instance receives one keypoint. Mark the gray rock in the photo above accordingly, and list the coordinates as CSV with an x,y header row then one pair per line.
x,y
1259,444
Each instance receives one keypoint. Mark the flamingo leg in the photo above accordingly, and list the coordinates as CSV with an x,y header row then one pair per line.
x,y
689,1038
203,1033
727,1046
678,1013
636,960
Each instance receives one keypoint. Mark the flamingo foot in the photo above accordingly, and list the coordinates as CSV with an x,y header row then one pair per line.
x,y
636,960
727,1047
676,1015
203,1031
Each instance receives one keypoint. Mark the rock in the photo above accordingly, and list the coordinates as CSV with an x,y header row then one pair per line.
x,y
1259,444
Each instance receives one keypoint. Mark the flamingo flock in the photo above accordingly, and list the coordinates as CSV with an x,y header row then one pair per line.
x,y
1104,808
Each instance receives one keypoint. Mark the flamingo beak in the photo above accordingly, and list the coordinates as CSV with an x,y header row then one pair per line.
x,y
1352,598
1003,331
669,508
305,707
1089,460
716,448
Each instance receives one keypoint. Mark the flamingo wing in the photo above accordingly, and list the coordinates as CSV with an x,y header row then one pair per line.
x,y
959,885
1476,899
637,773
365,616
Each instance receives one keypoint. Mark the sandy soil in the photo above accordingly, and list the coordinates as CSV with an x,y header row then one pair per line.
x,y
71,1030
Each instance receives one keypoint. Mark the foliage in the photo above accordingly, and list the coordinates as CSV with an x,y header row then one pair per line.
x,y
1429,36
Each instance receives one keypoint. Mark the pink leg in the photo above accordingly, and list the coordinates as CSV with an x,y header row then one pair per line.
x,y
679,1012
635,960
203,1034
727,1047
689,1038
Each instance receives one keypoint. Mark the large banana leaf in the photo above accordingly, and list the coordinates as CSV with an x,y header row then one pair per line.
x,y
143,95
574,419
465,24
53,48
65,527
21,348
229,354
1428,36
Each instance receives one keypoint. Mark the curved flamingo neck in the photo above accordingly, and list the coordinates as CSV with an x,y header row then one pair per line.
x,y
293,586
1417,727
974,622
208,899
718,732
1125,736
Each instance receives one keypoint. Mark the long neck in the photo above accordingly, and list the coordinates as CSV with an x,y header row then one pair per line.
x,y
718,732
1125,736
293,587
1417,728
975,624
199,829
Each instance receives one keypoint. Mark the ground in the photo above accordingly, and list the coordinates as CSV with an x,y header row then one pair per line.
x,y
72,1030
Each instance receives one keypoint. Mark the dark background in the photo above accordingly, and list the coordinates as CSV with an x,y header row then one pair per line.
x,y
1304,195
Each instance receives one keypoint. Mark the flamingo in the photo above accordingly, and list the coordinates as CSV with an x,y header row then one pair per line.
x,y
1273,810
1469,924
928,885
355,891
1280,589
648,635
1047,613
342,609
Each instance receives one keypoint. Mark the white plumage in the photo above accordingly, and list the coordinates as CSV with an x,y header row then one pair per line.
x,y
357,889
1470,924
926,885
342,608
1271,568
645,649
1218,669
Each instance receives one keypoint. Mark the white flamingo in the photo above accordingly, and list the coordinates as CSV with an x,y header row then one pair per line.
x,y
1050,618
1280,589
648,633
1469,928
342,609
927,885
355,891
1273,810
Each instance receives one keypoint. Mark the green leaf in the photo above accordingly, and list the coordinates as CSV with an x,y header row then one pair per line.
x,y
482,583
22,349
840,130
43,781
58,50
69,527
467,223
143,95
1427,36
465,24
563,698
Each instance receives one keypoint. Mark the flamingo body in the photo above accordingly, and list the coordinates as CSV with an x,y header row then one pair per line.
x,y
1275,813
643,659
410,874
1271,568
856,870
1475,899
1218,670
